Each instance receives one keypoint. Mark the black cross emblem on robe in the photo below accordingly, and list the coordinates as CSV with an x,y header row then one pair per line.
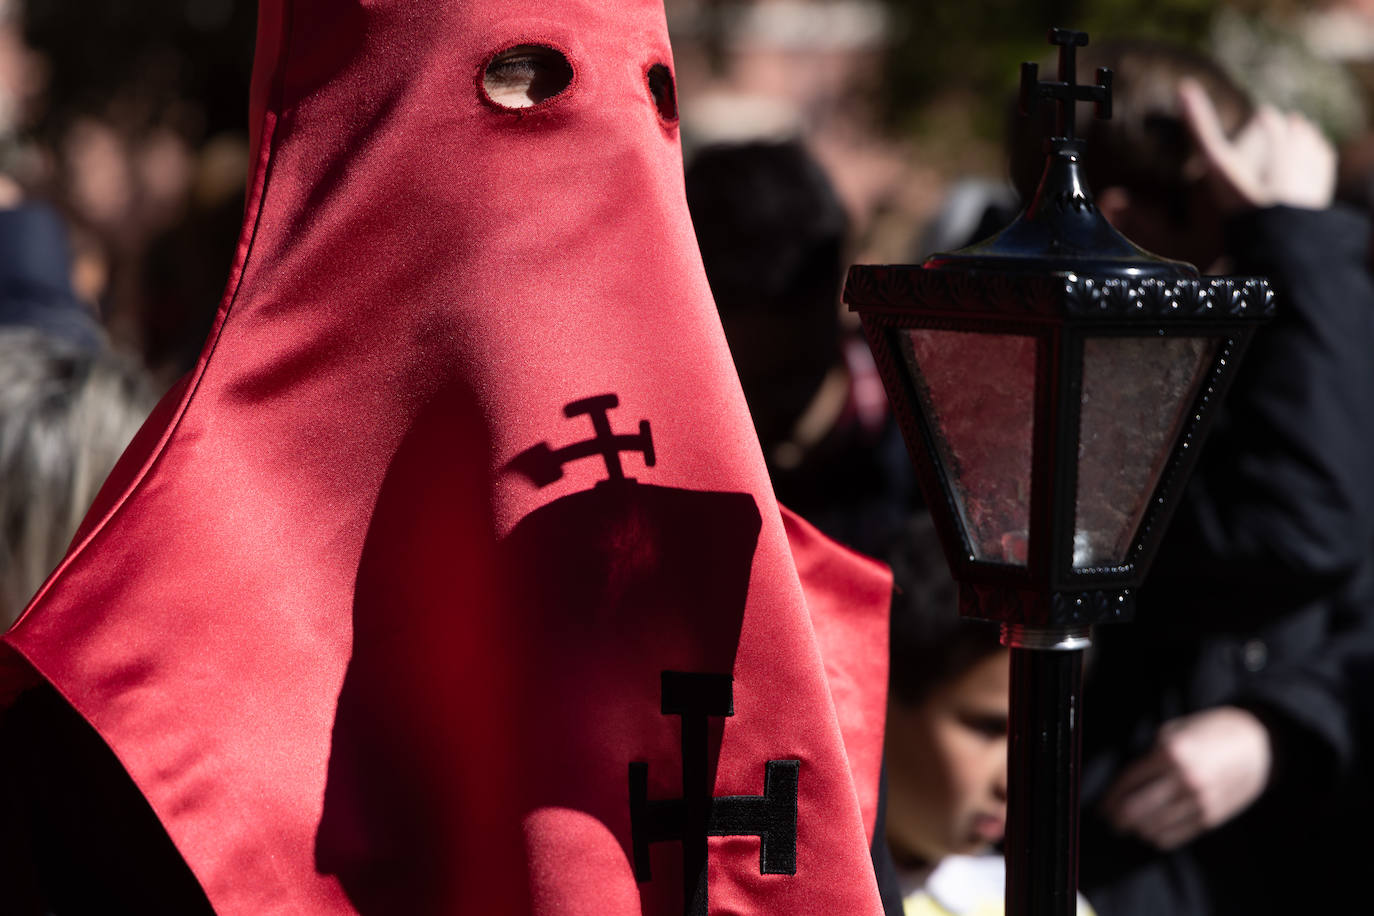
x,y
772,816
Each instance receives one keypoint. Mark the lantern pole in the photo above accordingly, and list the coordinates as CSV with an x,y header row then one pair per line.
x,y
1043,762
1045,726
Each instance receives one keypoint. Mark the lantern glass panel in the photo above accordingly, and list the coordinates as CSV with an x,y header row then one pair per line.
x,y
1137,393
977,392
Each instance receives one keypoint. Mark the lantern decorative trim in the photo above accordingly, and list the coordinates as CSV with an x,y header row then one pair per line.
x,y
896,288
1160,300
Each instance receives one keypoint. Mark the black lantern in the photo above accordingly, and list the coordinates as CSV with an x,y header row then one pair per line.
x,y
1053,385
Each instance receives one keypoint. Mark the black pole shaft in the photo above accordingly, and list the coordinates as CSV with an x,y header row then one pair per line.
x,y
1042,781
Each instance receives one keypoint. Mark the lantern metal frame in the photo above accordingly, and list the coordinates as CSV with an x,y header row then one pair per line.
x,y
1060,310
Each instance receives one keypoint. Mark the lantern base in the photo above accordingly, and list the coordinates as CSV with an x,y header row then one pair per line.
x,y
1028,607
1051,639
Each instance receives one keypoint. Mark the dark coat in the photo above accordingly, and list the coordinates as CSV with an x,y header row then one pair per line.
x,y
76,837
1263,592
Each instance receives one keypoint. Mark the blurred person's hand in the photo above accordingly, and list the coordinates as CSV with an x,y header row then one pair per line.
x,y
1276,159
11,195
1205,769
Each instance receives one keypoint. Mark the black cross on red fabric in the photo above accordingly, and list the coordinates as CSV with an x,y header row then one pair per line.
x,y
772,816
1066,91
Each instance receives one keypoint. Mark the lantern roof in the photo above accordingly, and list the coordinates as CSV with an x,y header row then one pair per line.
x,y
1063,231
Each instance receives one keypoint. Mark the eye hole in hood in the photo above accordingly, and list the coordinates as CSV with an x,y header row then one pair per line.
x,y
526,75
664,93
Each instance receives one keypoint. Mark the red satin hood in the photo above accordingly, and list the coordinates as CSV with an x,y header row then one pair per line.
x,y
351,612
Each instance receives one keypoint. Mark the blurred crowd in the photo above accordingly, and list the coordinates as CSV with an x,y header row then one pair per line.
x,y
1227,731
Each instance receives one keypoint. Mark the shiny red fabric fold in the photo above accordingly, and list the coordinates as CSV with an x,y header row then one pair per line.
x,y
451,580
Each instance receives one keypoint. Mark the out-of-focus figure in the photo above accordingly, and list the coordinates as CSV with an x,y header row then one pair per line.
x,y
68,405
773,236
66,414
134,129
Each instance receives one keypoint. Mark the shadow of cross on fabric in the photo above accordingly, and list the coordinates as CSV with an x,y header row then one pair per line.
x,y
638,594
543,465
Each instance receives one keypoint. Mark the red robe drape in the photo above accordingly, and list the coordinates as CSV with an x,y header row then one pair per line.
x,y
363,623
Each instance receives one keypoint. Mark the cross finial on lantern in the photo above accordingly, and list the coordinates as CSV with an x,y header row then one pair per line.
x,y
1066,91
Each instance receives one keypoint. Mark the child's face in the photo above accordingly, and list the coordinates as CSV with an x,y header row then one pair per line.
x,y
947,766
